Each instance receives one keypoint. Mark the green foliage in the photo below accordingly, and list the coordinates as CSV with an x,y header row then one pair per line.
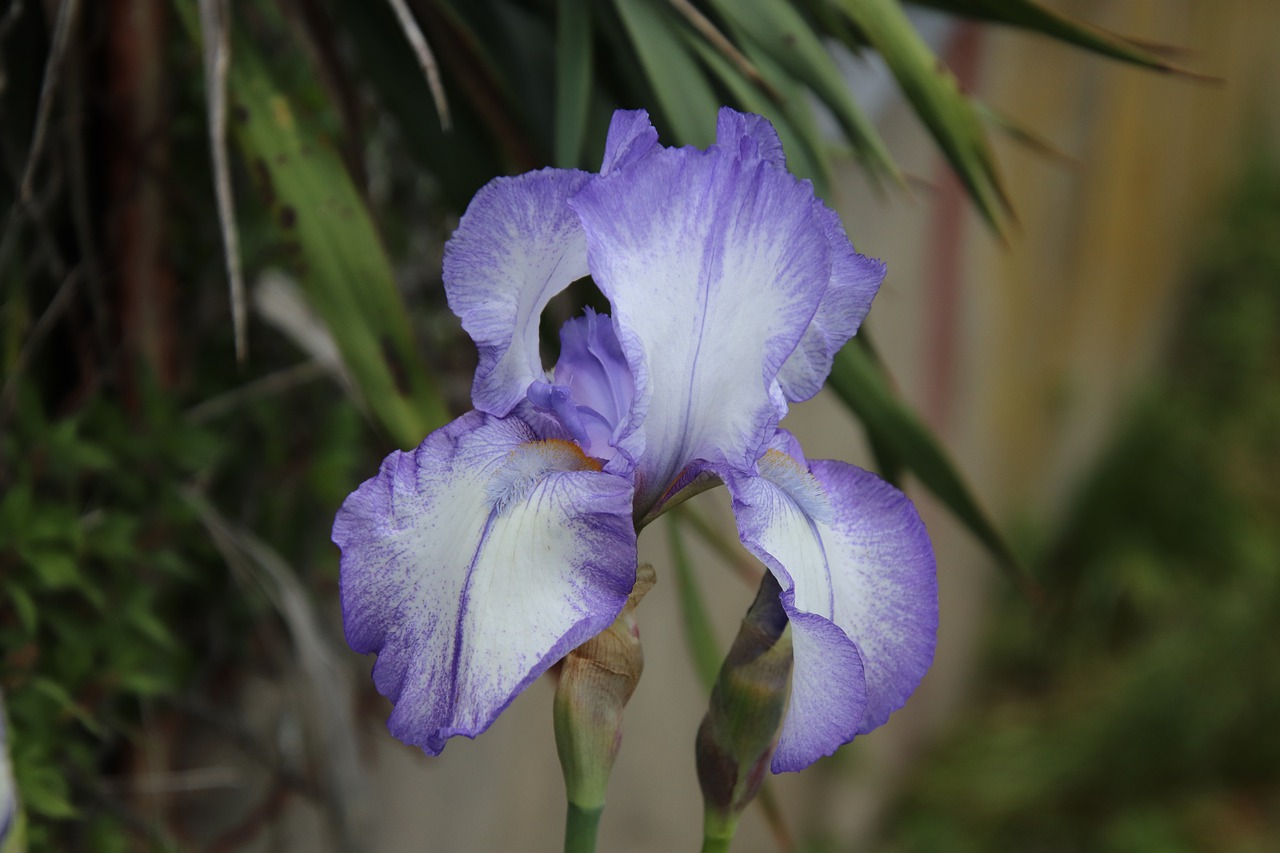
x,y
501,58
573,79
680,86
1038,18
99,562
336,250
1135,711
114,598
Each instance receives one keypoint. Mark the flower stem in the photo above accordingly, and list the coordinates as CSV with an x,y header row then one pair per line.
x,y
716,843
580,828
718,831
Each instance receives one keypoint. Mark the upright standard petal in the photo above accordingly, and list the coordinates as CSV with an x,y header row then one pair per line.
x,y
517,246
475,562
714,264
853,556
733,126
855,280
631,137
854,277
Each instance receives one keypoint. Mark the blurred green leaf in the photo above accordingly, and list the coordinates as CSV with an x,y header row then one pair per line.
x,y
24,606
73,452
56,568
16,506
144,683
1034,16
500,56
858,380
44,791
1022,134
111,536
728,547
780,31
141,616
66,704
684,95
936,96
693,609
573,79
335,247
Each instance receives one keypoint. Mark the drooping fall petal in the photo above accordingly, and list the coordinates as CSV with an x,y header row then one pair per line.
x,y
854,562
473,563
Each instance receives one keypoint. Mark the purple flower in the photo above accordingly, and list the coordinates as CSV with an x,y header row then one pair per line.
x,y
509,536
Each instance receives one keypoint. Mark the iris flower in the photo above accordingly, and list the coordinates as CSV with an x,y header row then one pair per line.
x,y
508,537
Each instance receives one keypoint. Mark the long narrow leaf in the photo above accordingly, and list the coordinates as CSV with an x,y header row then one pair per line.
x,y
936,96
1034,16
337,252
693,609
745,566
858,380
573,79
1022,134
684,95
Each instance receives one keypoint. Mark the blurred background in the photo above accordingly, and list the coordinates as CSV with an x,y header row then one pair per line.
x,y
220,307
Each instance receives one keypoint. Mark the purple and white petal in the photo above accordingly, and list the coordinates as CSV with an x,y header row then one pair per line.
x,y
631,137
852,553
823,712
855,279
884,582
473,563
733,127
714,263
517,246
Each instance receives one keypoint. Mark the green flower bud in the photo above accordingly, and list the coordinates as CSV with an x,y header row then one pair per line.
x,y
596,681
738,734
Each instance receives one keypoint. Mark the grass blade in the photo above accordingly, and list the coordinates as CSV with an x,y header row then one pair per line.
x,y
684,94
573,79
1036,17
936,96
693,609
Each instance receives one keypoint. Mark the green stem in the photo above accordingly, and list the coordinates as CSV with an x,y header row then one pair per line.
x,y
716,844
717,832
580,828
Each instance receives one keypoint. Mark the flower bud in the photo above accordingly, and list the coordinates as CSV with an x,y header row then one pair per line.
x,y
737,735
596,681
